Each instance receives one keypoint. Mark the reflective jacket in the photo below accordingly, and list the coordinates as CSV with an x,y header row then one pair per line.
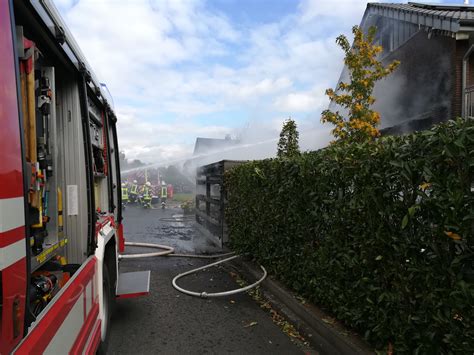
x,y
146,193
124,194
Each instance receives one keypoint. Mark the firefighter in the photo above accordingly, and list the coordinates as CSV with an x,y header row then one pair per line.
x,y
146,195
163,194
134,191
164,191
124,194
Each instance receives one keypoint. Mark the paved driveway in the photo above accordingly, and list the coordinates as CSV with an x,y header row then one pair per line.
x,y
168,322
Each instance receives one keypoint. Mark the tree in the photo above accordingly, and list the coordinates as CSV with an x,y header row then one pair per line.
x,y
356,96
288,144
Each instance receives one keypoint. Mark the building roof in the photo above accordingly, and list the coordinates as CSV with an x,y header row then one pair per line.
x,y
444,17
206,145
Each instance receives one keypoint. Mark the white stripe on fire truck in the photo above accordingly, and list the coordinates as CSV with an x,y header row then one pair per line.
x,y
63,340
12,253
12,213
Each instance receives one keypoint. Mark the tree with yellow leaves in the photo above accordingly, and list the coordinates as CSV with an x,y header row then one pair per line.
x,y
356,96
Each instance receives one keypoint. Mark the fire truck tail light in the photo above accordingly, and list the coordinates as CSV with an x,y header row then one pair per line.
x,y
16,312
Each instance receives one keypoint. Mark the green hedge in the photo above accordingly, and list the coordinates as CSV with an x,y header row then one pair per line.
x,y
380,234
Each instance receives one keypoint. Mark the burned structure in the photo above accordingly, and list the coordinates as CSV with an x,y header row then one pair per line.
x,y
435,80
211,199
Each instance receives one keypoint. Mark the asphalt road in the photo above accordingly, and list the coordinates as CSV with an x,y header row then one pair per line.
x,y
168,322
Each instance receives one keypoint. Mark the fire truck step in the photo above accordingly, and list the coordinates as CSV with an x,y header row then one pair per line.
x,y
133,284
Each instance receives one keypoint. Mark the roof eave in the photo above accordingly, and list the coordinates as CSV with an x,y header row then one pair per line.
x,y
432,22
466,25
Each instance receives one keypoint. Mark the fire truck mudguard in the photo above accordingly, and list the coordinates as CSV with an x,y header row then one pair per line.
x,y
133,284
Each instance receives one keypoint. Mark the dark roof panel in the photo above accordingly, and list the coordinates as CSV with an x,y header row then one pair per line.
x,y
436,6
207,145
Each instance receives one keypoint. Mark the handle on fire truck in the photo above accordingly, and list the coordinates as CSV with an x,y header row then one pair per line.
x,y
60,209
27,79
31,127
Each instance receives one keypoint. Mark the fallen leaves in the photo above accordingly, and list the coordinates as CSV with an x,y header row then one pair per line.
x,y
453,236
251,324
301,299
425,186
328,320
277,318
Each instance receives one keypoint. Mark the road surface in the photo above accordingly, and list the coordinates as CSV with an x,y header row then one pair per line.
x,y
168,322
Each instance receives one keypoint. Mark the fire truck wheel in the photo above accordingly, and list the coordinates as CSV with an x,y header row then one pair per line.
x,y
107,290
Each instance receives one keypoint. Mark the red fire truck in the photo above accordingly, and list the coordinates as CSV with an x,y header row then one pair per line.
x,y
60,201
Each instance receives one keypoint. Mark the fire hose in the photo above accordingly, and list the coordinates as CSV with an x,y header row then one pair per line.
x,y
169,252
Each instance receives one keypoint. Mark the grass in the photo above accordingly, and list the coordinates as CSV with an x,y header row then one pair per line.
x,y
183,197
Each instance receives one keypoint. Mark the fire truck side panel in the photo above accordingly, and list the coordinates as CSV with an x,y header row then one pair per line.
x,y
13,269
60,200
11,167
70,321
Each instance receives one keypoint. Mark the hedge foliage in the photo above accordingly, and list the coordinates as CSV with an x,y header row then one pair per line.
x,y
380,234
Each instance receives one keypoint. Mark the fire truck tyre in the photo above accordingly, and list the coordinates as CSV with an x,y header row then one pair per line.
x,y
107,290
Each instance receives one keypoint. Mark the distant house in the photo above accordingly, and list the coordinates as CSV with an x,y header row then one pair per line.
x,y
210,150
435,81
211,145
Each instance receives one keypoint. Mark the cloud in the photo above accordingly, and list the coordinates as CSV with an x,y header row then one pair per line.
x,y
301,101
173,66
342,10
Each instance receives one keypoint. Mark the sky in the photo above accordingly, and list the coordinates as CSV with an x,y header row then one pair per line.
x,y
178,70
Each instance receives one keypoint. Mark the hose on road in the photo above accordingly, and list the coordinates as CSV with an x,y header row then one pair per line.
x,y
166,250
169,252
216,294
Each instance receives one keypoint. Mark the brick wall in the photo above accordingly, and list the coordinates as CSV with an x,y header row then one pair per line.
x,y
460,49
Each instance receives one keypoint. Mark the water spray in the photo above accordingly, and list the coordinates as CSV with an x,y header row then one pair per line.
x,y
205,155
